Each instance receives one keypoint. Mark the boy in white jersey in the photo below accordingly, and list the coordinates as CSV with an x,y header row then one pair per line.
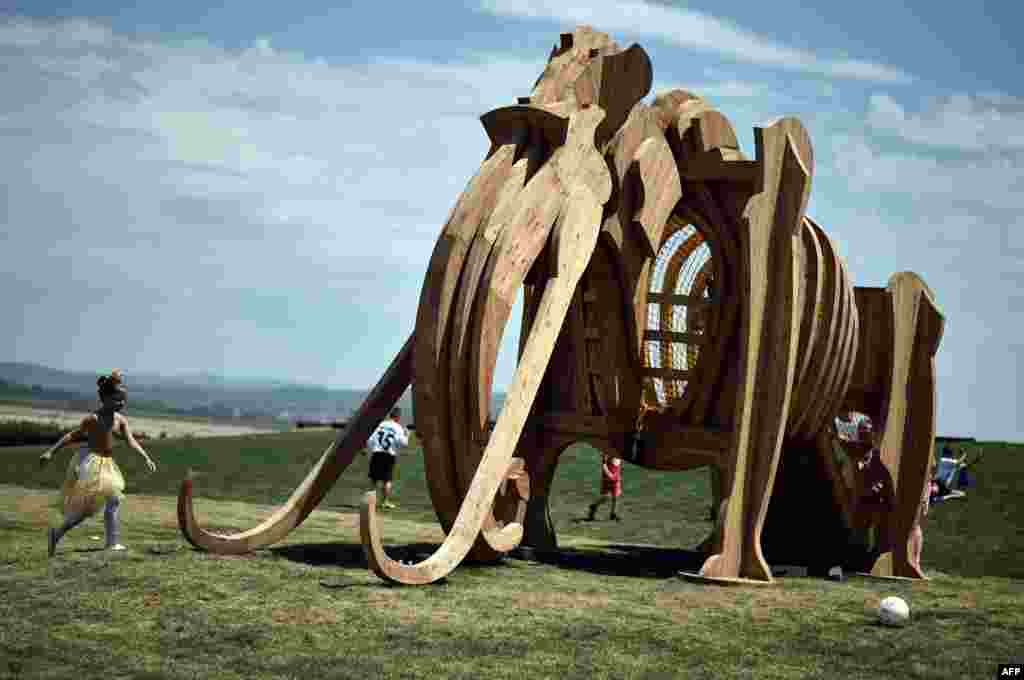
x,y
384,445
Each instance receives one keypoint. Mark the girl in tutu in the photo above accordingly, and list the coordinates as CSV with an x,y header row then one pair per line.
x,y
93,478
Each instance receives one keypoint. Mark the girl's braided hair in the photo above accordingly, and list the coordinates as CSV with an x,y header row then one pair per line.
x,y
109,384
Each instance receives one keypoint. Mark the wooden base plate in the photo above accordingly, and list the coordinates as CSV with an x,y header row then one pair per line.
x,y
724,581
873,577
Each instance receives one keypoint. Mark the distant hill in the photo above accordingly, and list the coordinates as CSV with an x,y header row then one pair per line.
x,y
205,394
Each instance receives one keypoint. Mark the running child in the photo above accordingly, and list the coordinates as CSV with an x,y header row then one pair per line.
x,y
93,477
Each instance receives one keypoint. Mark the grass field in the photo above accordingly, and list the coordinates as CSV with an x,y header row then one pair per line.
x,y
609,607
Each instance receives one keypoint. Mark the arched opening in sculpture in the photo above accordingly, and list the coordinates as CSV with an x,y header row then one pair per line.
x,y
680,299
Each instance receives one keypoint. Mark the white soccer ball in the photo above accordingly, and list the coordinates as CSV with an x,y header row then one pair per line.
x,y
893,611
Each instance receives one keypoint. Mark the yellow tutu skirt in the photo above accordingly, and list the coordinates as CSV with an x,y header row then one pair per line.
x,y
92,478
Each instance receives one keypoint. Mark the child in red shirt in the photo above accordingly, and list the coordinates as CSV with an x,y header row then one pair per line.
x,y
611,485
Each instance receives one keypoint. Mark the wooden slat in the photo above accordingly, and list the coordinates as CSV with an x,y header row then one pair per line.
x,y
674,299
703,438
575,423
592,333
673,336
683,448
658,174
672,373
771,332
711,167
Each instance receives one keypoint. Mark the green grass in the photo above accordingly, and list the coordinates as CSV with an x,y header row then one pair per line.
x,y
609,608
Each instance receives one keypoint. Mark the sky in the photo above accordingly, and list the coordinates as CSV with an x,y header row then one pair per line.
x,y
254,189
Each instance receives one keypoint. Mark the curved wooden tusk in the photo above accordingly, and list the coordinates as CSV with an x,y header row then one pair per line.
x,y
575,165
577,232
466,449
335,459
499,537
430,362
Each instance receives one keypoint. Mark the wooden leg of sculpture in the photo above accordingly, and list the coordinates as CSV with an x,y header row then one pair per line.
x,y
774,217
318,482
910,422
542,460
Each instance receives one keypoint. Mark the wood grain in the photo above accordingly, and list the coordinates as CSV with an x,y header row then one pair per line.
x,y
578,227
774,218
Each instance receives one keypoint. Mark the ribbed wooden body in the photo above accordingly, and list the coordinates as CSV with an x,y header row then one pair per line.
x,y
681,310
829,322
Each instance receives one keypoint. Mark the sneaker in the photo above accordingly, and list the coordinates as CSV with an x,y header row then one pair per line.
x,y
51,538
615,517
116,546
591,512
388,505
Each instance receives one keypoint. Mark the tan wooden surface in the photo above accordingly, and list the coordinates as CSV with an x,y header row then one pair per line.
x,y
774,217
582,186
909,434
578,227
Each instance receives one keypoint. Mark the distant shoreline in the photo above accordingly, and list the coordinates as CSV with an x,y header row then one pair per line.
x,y
152,426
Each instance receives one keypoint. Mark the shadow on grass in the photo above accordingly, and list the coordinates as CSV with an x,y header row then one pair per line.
x,y
616,559
622,560
323,554
350,554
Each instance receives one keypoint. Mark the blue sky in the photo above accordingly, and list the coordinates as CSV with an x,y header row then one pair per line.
x,y
254,188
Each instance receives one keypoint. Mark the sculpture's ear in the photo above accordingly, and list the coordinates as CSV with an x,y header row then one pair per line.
x,y
626,78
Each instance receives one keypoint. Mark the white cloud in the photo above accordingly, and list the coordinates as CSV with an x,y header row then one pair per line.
x,y
950,215
259,212
695,30
136,171
994,181
961,121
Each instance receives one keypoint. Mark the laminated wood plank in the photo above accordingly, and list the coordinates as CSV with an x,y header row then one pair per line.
x,y
817,369
667,373
467,446
814,286
579,227
692,300
909,434
774,218
673,336
433,317
817,412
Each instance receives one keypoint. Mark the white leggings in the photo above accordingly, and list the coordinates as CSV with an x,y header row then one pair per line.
x,y
111,513
111,520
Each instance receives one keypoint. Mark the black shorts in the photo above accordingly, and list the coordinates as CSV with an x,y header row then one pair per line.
x,y
382,464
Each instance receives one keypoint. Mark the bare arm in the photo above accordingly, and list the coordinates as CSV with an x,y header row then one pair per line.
x,y
78,434
126,432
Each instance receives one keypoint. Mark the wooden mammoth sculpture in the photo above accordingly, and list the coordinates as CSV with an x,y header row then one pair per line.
x,y
680,309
